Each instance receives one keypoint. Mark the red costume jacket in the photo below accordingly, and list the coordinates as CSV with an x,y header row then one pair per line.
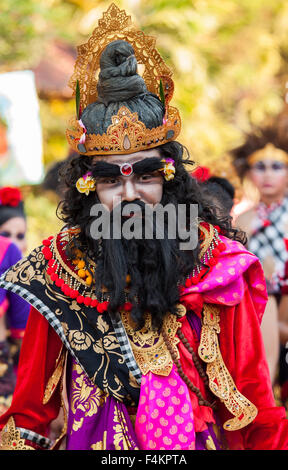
x,y
241,347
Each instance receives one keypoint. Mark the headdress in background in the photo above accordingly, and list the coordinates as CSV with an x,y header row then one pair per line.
x,y
267,143
11,204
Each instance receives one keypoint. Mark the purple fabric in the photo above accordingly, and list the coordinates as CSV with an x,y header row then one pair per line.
x,y
96,421
100,422
195,323
207,440
18,309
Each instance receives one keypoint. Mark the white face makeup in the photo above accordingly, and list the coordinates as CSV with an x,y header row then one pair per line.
x,y
270,177
146,187
15,229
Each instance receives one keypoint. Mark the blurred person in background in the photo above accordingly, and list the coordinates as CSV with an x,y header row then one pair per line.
x,y
53,181
263,158
216,190
13,309
13,223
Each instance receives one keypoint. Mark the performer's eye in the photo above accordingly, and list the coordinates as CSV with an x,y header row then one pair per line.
x,y
108,180
148,176
6,234
259,166
277,166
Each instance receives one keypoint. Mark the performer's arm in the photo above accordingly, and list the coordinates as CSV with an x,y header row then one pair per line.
x,y
40,349
244,355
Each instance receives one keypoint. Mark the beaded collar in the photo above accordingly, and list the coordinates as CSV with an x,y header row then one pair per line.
x,y
75,277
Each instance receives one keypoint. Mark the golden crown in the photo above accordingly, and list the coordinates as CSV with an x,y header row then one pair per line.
x,y
126,134
269,152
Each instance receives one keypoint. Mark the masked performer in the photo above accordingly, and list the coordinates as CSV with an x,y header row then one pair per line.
x,y
151,346
263,158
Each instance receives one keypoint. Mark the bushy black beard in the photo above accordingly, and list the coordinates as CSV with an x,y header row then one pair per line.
x,y
156,267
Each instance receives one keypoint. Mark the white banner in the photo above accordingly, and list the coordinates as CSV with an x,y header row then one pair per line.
x,y
21,148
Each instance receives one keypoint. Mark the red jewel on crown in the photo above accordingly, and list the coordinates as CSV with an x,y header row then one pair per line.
x,y
126,169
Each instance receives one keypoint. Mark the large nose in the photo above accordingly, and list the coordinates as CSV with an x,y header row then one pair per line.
x,y
130,191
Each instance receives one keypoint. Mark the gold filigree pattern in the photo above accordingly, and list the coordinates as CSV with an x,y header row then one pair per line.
x,y
10,438
210,326
148,345
81,340
85,396
100,445
116,25
121,432
220,380
68,273
26,272
125,135
209,444
90,339
207,238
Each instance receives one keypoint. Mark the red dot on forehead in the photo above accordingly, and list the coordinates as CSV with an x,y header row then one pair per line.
x,y
126,169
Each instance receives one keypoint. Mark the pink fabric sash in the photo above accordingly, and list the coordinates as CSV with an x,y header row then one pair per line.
x,y
164,419
225,283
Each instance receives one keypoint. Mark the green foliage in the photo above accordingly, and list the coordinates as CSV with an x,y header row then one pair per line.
x,y
42,221
25,26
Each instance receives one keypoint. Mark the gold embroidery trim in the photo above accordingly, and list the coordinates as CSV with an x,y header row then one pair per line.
x,y
55,377
101,445
148,345
58,257
68,273
220,380
10,438
63,432
208,238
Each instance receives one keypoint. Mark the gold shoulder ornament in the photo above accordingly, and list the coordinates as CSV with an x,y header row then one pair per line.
x,y
220,380
10,438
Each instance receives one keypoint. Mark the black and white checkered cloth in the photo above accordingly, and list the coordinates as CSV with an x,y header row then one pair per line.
x,y
36,303
126,348
268,240
32,436
43,309
56,325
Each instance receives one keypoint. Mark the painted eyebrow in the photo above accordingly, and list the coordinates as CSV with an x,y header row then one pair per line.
x,y
147,165
105,169
112,169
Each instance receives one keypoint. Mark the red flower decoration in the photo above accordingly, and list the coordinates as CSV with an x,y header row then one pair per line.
x,y
10,196
266,223
202,173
